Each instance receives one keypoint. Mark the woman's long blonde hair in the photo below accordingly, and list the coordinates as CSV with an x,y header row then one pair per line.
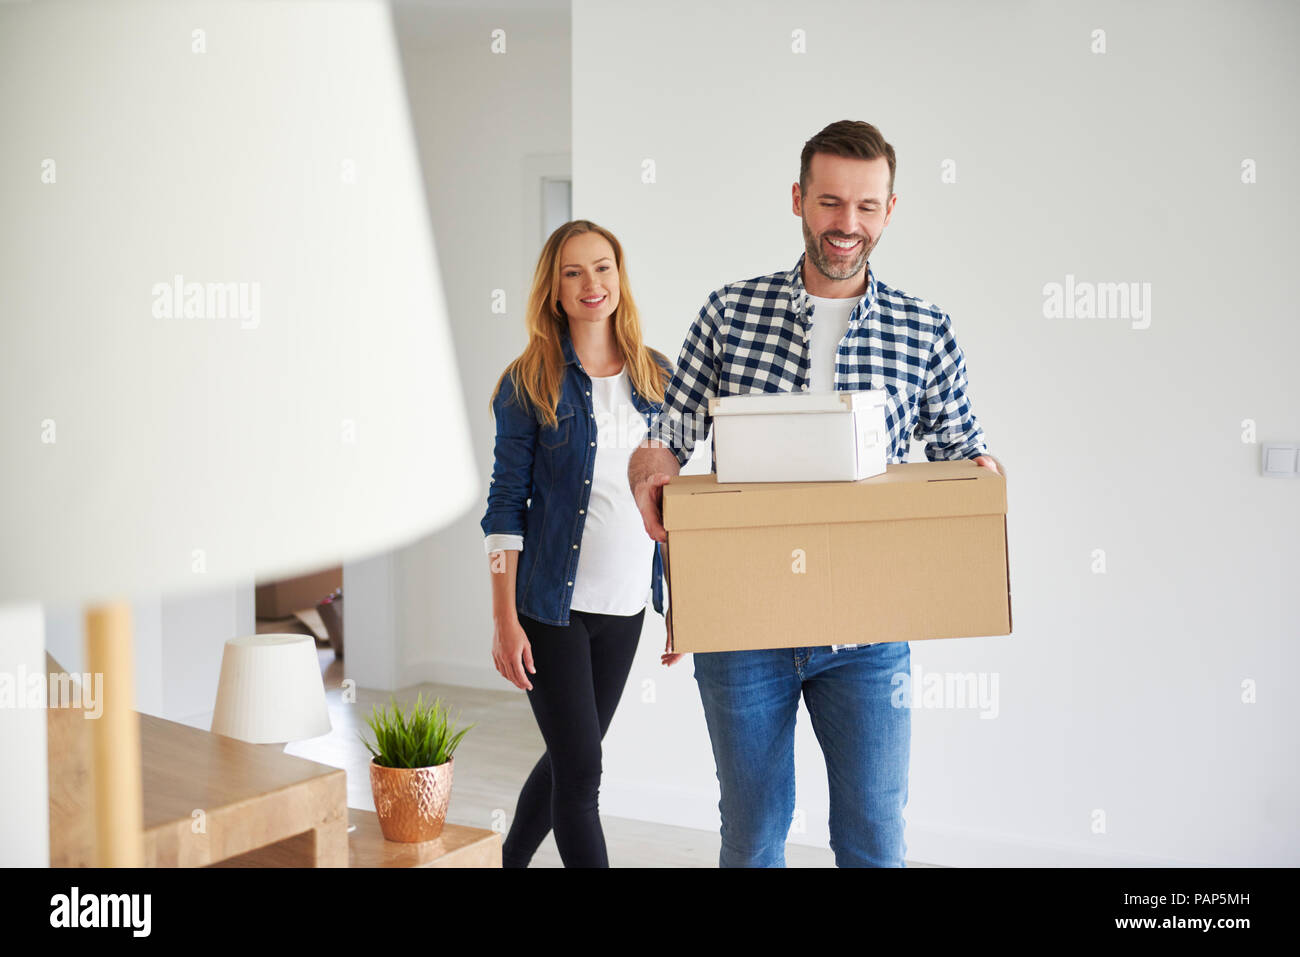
x,y
538,372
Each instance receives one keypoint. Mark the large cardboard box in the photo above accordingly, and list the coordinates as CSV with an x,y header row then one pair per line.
x,y
918,552
799,436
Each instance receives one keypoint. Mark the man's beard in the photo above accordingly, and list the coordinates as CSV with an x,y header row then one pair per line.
x,y
828,267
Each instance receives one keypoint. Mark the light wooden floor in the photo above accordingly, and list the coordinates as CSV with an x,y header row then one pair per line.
x,y
491,765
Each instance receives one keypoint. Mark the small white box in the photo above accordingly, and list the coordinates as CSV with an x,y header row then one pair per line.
x,y
799,436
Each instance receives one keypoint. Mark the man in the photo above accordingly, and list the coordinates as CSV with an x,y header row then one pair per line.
x,y
828,324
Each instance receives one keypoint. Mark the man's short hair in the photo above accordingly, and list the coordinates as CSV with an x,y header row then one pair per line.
x,y
851,138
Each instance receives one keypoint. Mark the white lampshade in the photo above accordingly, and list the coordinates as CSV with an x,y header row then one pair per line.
x,y
160,159
271,690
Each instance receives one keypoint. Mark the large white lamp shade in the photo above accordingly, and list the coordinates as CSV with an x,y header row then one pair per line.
x,y
223,337
164,166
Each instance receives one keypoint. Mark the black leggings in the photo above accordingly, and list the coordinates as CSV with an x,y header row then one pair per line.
x,y
581,671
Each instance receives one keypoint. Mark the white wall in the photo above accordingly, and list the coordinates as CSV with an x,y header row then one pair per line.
x,y
489,127
178,642
1122,691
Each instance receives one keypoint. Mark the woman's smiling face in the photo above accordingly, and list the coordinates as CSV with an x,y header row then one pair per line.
x,y
588,278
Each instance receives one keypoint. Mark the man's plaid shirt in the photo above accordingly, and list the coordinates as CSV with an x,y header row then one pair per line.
x,y
752,336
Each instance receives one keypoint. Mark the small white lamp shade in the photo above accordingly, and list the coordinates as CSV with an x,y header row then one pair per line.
x,y
271,690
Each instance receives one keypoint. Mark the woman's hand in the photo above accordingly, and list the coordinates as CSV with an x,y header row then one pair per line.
x,y
511,653
668,657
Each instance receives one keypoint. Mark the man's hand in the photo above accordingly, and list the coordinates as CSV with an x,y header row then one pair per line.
x,y
652,466
649,496
989,463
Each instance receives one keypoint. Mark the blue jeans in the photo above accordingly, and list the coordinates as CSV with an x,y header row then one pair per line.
x,y
750,701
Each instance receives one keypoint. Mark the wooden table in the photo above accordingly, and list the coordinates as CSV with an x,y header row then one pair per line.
x,y
457,846
259,807
251,798
248,797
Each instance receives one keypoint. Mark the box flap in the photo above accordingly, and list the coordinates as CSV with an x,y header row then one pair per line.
x,y
914,490
786,403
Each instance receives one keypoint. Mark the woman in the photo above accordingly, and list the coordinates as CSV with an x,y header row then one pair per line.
x,y
570,560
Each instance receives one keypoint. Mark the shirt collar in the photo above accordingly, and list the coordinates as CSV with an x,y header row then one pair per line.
x,y
799,295
566,344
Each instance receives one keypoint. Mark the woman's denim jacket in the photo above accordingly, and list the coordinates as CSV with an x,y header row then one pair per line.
x,y
541,483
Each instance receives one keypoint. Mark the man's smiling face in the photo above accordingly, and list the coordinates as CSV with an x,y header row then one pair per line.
x,y
844,211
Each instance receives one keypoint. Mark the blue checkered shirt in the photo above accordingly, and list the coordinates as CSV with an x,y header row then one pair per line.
x,y
753,336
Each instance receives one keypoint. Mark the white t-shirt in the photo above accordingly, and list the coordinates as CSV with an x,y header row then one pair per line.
x,y
615,554
830,321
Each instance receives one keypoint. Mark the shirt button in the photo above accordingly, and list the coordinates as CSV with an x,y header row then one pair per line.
x,y
575,546
805,386
588,393
570,583
582,511
588,482
593,443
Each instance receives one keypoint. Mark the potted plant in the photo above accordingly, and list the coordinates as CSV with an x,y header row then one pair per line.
x,y
410,768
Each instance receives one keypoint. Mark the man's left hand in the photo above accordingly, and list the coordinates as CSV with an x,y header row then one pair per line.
x,y
989,463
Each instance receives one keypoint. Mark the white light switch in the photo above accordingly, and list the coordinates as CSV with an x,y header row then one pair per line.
x,y
1279,461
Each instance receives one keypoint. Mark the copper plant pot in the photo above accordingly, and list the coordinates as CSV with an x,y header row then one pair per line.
x,y
411,802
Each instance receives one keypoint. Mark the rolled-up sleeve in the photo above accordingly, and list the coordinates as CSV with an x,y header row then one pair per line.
x,y
503,543
512,467
684,418
946,421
